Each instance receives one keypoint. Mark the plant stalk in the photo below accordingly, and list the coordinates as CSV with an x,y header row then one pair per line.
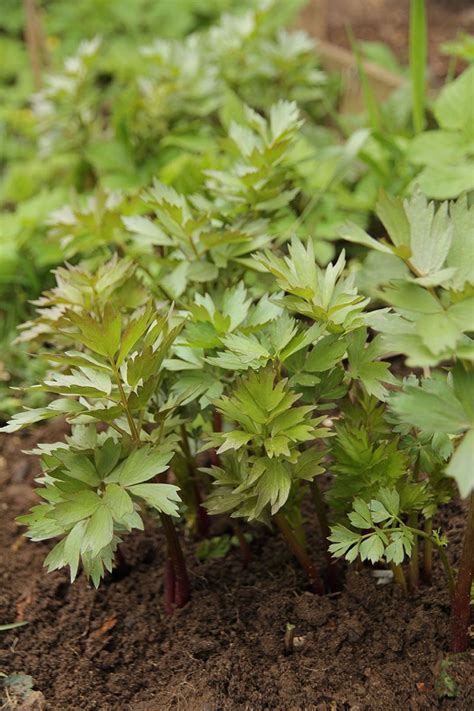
x,y
442,555
169,585
245,553
414,565
333,569
418,53
34,41
399,577
428,553
202,517
299,552
180,590
460,609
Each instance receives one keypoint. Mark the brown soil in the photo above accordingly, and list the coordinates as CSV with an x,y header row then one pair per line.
x,y
113,649
387,21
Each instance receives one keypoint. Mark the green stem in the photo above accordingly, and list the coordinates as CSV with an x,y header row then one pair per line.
x,y
418,53
202,517
426,537
460,610
442,555
413,566
399,577
123,399
299,552
428,552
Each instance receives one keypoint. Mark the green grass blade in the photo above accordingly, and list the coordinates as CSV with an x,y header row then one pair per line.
x,y
12,626
370,100
418,54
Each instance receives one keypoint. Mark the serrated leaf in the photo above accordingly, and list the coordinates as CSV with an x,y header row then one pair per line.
x,y
99,531
118,501
83,505
145,227
234,440
163,497
360,517
326,354
72,548
107,456
142,464
372,548
431,406
78,466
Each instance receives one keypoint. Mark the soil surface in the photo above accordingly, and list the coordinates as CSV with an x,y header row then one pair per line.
x,y
366,649
387,21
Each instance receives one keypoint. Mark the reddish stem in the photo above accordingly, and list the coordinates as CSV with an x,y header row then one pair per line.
x,y
217,421
169,583
333,567
181,588
245,552
461,609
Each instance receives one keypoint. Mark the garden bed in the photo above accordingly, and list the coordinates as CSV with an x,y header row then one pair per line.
x,y
367,648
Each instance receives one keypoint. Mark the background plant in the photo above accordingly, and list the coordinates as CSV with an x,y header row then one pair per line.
x,y
430,323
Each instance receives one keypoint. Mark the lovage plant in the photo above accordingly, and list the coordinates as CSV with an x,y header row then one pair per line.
x,y
111,341
429,322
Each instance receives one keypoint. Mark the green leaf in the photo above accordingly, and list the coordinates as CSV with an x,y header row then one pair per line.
x,y
234,440
463,385
390,499
142,464
461,466
410,297
326,354
431,406
430,234
444,182
99,531
78,466
112,329
344,542
372,548
361,517
163,497
438,332
437,148
364,366
83,505
353,233
118,501
401,544
390,211
28,417
134,331
144,227
72,548
454,106
107,456
273,487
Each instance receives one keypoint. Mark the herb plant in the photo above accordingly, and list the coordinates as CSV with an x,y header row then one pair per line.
x,y
430,323
207,343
